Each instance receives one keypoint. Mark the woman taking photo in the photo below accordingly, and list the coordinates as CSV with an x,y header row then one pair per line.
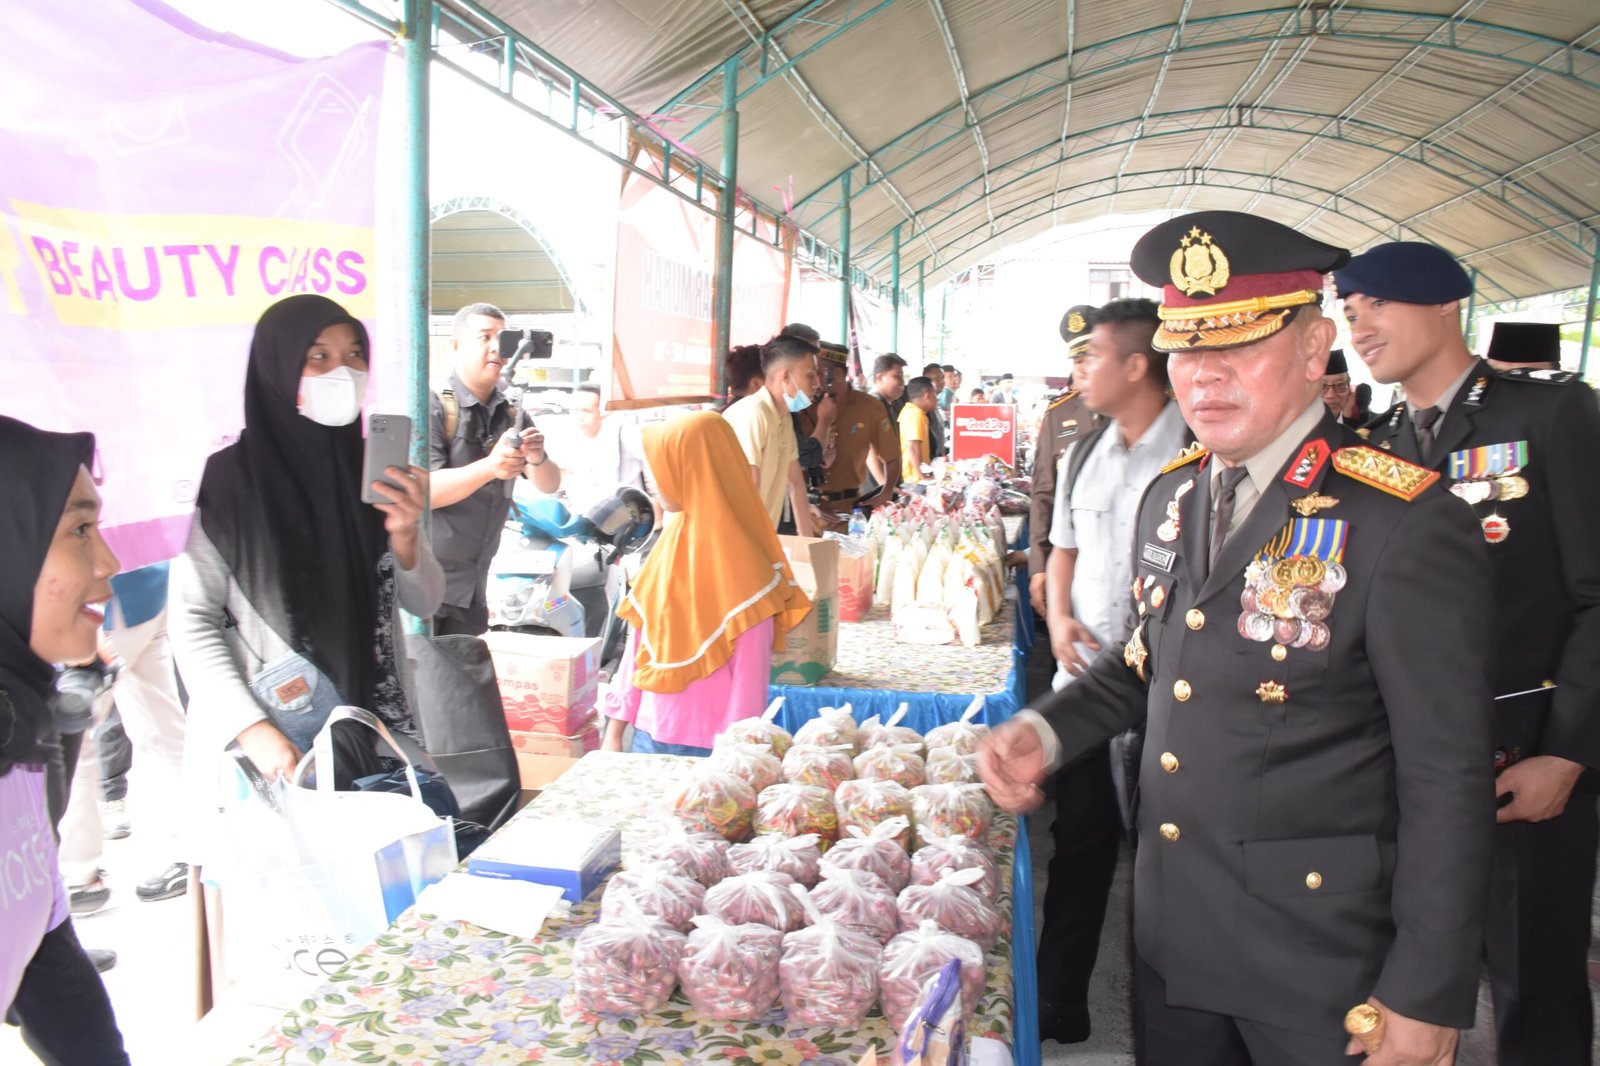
x,y
285,603
711,603
56,566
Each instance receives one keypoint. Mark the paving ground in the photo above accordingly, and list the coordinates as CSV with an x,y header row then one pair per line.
x,y
152,986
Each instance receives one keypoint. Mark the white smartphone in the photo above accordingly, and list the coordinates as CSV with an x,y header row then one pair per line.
x,y
388,444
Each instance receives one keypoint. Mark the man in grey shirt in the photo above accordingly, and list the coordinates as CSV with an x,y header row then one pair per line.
x,y
1123,379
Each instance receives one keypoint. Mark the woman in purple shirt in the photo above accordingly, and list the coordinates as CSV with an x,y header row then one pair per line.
x,y
55,567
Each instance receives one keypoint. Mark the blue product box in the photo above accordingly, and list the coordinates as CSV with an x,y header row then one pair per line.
x,y
573,856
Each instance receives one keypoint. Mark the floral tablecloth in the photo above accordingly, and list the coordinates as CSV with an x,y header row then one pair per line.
x,y
433,991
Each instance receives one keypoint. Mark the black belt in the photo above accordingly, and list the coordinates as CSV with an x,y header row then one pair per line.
x,y
847,494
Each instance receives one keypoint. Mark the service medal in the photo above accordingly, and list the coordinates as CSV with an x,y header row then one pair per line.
x,y
1512,487
1473,492
1495,529
1167,531
1334,578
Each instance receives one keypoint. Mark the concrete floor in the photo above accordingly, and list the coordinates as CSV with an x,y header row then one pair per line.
x,y
1110,992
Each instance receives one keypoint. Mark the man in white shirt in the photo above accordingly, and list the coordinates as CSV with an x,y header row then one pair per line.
x,y
602,454
1123,378
766,432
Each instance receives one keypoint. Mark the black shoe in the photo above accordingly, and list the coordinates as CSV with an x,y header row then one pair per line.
x,y
1071,1028
173,881
103,958
86,899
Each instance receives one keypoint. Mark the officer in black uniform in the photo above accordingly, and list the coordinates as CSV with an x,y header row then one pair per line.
x,y
1315,802
1519,447
1065,420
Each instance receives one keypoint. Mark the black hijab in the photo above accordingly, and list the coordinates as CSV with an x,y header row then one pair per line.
x,y
37,470
283,508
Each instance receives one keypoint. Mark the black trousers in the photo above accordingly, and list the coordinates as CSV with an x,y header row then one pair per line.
x,y
1179,1036
461,621
1088,834
116,757
1537,940
63,1008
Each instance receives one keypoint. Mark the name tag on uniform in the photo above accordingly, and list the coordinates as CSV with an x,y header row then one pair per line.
x,y
1158,556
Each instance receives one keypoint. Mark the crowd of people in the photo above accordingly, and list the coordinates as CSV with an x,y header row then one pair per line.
x,y
1335,671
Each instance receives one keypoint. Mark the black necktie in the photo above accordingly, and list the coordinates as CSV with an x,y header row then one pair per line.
x,y
1426,419
1226,494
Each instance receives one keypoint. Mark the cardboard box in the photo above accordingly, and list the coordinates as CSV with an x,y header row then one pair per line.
x,y
547,684
812,647
855,585
574,856
543,757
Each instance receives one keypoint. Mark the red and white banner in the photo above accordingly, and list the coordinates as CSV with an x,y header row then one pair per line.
x,y
980,429
666,255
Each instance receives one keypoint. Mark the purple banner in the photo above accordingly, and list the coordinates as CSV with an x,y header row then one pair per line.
x,y
160,186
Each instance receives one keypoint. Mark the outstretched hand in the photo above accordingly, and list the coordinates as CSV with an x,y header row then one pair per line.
x,y
1011,764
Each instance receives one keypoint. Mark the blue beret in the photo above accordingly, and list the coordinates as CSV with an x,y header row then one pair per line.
x,y
1411,272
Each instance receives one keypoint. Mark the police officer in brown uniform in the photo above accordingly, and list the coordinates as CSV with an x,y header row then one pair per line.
x,y
865,440
1315,805
1519,447
1065,420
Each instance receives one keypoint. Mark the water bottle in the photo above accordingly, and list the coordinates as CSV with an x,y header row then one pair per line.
x,y
858,523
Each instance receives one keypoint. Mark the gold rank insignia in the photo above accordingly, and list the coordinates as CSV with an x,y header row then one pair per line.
x,y
1384,471
1199,267
1134,653
1310,505
1075,322
1059,400
1188,455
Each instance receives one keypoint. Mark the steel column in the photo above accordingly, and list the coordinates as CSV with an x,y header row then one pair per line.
x,y
922,308
894,300
943,295
722,288
844,258
1588,318
415,290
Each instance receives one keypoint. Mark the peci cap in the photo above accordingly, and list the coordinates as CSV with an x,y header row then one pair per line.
x,y
1525,342
833,352
1412,272
1336,363
1076,325
1228,278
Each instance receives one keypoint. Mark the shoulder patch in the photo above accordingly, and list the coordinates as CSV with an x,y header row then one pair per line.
x,y
1185,457
1385,471
1063,398
1540,375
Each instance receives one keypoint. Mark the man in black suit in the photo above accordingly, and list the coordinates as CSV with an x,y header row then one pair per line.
x,y
1315,803
1519,447
1342,398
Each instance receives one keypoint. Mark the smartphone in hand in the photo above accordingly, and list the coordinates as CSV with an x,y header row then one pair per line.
x,y
388,444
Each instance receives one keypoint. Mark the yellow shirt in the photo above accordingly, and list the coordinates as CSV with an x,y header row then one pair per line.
x,y
766,433
913,426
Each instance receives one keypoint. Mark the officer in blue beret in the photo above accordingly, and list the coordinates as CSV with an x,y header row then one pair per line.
x,y
1315,806
1519,447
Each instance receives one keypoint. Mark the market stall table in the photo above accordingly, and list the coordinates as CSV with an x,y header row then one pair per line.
x,y
436,991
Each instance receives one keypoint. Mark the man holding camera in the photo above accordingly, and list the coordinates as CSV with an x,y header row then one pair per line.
x,y
477,443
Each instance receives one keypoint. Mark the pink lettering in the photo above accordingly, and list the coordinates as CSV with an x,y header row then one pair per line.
x,y
52,266
225,267
183,253
101,275
319,270
69,250
272,287
355,281
152,274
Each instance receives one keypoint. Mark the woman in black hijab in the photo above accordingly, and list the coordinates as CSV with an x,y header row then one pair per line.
x,y
56,567
284,602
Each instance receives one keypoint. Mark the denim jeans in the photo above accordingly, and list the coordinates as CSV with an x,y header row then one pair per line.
x,y
645,744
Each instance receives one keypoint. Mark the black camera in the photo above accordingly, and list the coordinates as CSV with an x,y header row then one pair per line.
x,y
519,344
77,687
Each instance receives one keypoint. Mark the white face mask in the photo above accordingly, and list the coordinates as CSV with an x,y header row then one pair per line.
x,y
334,398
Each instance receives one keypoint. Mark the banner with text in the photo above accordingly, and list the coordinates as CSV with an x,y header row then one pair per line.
x,y
980,429
666,256
155,202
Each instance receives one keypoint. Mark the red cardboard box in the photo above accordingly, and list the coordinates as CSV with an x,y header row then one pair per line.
x,y
547,684
543,757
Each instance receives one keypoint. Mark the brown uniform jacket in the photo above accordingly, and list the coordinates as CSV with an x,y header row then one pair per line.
x,y
862,424
1065,420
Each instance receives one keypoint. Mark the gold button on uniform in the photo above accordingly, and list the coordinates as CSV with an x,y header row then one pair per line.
x,y
1181,689
1279,652
1195,619
1313,880
1169,831
1169,762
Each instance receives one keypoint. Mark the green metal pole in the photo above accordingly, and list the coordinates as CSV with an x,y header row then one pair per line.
x,y
894,271
1588,318
1470,327
416,292
722,290
922,309
944,293
844,258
